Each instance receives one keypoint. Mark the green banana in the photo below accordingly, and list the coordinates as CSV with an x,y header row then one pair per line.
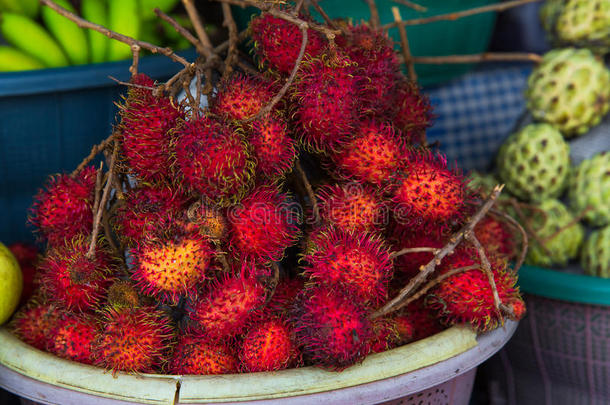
x,y
29,8
12,60
147,7
96,12
30,37
122,18
70,37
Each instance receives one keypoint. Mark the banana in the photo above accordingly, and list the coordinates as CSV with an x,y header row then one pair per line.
x,y
122,18
147,7
70,37
96,12
12,60
30,37
29,8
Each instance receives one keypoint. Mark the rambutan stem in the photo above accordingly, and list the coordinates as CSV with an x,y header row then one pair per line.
x,y
412,5
204,45
98,189
408,290
325,16
176,25
480,57
232,53
82,23
297,7
94,151
398,253
312,196
406,50
524,239
375,21
135,52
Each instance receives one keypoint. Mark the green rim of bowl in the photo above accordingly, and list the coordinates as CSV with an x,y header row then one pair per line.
x,y
564,286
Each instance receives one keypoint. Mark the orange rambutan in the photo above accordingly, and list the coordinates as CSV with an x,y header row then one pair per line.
x,y
268,346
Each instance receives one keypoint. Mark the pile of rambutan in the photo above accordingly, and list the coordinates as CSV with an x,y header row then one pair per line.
x,y
270,230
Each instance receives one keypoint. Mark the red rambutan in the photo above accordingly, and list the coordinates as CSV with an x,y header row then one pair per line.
x,y
73,338
386,335
274,149
263,225
411,110
196,354
73,280
496,237
417,322
332,328
373,155
229,302
214,160
27,257
144,130
278,42
36,323
268,346
284,296
359,263
352,207
171,264
241,97
132,340
63,209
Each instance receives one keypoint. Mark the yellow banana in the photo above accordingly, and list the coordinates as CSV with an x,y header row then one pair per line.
x,y
70,37
123,17
30,37
12,60
28,8
96,12
147,7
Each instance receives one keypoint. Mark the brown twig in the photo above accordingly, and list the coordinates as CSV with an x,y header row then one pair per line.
x,y
134,85
98,189
412,5
465,13
108,233
429,268
325,16
486,268
312,196
135,52
524,239
98,215
404,251
220,255
476,58
232,54
82,23
94,151
204,45
179,28
375,20
406,50
298,7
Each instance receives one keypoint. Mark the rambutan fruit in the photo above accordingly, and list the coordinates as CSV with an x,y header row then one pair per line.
x,y
385,335
263,225
73,338
144,130
208,221
144,210
73,280
357,262
27,257
274,149
196,354
417,322
332,328
428,195
352,207
496,237
63,209
171,264
467,297
411,112
123,294
132,339
229,302
373,155
214,160
241,97
284,296
36,323
411,263
325,98
278,42
268,346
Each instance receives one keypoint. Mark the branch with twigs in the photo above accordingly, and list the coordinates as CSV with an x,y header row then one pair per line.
x,y
476,58
94,152
406,50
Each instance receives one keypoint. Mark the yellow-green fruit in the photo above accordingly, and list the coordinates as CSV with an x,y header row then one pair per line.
x,y
11,283
96,12
70,37
29,8
147,7
595,255
569,89
12,60
560,234
589,189
30,37
122,18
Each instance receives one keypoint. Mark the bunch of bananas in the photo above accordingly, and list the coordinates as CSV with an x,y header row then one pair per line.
x,y
39,38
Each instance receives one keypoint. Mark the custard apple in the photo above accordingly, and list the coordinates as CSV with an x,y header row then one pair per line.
x,y
569,89
595,255
534,163
589,186
562,242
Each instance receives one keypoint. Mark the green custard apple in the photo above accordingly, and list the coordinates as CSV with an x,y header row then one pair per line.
x,y
560,234
589,189
569,89
595,255
534,163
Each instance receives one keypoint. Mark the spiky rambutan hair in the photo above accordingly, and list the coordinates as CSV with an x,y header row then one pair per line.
x,y
411,110
197,354
37,322
268,345
274,149
241,97
63,208
214,160
73,338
